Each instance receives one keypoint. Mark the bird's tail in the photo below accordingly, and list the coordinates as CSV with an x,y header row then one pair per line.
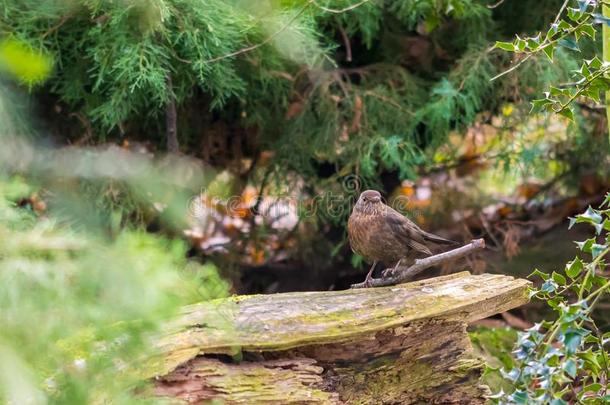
x,y
437,239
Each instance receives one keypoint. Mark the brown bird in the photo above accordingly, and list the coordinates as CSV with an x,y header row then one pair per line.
x,y
379,233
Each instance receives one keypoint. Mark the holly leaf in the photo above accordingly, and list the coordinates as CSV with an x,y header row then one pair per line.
x,y
570,368
559,279
574,268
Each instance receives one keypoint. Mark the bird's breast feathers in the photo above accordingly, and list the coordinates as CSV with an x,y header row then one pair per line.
x,y
361,229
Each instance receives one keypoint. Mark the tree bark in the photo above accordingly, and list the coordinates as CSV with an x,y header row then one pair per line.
x,y
402,344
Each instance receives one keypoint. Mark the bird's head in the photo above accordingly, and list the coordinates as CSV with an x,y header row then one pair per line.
x,y
369,201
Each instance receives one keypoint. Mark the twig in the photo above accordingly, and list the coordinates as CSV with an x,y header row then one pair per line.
x,y
485,224
492,6
282,29
61,22
259,197
171,119
389,101
339,11
514,67
423,264
266,40
529,55
348,47
87,124
563,7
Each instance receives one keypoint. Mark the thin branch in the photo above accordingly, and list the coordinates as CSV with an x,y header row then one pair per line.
x,y
259,197
486,226
389,101
266,41
569,32
348,47
171,119
563,7
423,264
87,124
492,6
61,22
339,11
514,67
284,28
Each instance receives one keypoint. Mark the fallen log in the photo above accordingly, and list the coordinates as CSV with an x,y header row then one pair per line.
x,y
401,344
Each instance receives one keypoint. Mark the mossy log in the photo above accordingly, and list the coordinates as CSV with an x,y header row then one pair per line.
x,y
400,344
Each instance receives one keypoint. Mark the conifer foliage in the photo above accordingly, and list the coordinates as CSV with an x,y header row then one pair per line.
x,y
360,86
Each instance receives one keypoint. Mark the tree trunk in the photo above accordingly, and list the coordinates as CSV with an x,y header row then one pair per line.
x,y
401,344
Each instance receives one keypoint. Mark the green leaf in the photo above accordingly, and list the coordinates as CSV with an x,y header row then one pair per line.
x,y
586,245
591,363
599,280
569,43
606,202
554,302
556,91
572,222
594,63
593,93
540,104
570,368
554,29
507,46
601,19
564,25
572,341
549,50
583,4
540,274
519,397
548,286
574,268
533,42
575,14
592,387
588,30
590,215
591,339
559,279
567,112
431,22
597,249
520,44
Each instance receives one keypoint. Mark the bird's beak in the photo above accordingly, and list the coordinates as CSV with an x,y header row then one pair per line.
x,y
377,199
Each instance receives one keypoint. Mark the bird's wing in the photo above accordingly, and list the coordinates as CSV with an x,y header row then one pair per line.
x,y
422,235
406,231
437,239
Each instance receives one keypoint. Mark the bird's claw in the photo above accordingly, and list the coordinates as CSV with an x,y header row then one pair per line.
x,y
387,273
368,282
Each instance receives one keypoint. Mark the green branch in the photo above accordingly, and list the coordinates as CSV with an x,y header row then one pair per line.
x,y
606,55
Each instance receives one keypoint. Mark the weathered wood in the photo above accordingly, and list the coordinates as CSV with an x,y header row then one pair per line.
x,y
400,344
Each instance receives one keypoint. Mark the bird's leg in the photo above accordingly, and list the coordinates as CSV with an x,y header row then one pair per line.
x,y
392,271
367,280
